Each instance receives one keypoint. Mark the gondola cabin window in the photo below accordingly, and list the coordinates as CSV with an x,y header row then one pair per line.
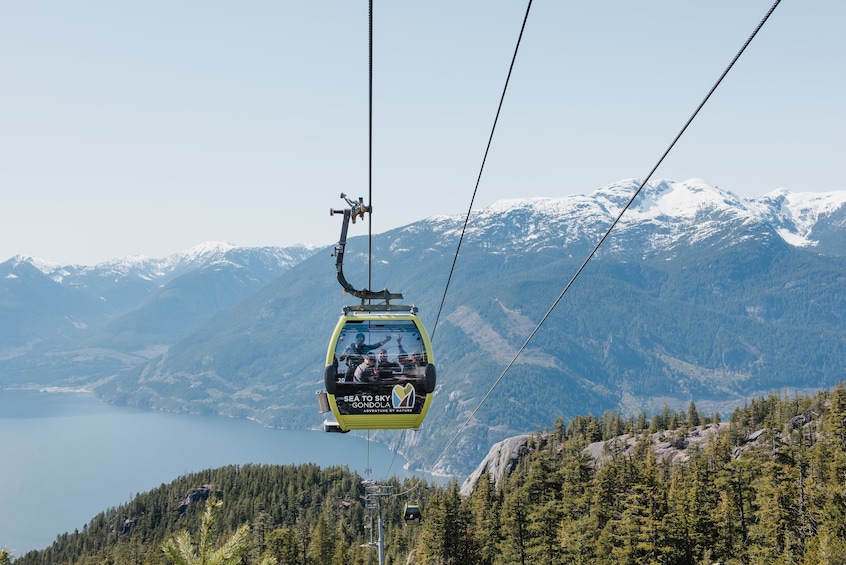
x,y
380,352
383,352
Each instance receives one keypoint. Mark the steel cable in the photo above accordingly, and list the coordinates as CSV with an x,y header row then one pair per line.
x,y
607,232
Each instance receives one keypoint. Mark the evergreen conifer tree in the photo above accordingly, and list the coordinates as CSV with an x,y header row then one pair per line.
x,y
180,551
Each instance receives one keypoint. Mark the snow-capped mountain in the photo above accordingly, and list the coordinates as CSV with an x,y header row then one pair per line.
x,y
147,268
46,301
664,216
697,294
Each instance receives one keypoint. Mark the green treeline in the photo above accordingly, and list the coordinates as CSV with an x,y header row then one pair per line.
x,y
768,488
299,514
777,499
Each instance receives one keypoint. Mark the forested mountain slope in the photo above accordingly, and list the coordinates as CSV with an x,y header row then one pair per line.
x,y
766,487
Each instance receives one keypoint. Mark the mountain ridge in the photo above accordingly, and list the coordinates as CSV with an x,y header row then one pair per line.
x,y
85,299
702,299
793,216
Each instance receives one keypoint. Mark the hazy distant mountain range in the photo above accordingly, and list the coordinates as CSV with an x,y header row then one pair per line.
x,y
69,323
697,295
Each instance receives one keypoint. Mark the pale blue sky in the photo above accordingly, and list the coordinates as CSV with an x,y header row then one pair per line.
x,y
144,128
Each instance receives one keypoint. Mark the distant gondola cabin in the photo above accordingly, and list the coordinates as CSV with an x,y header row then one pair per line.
x,y
412,514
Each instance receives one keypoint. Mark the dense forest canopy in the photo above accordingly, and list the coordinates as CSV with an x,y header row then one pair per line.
x,y
767,488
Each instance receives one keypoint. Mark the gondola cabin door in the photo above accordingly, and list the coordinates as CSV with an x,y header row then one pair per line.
x,y
379,371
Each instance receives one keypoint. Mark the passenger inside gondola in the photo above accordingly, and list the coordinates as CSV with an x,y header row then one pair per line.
x,y
353,355
368,371
386,367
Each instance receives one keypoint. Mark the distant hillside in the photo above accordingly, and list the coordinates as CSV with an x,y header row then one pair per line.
x,y
71,324
697,294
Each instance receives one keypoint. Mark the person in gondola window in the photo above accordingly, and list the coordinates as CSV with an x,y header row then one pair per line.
x,y
367,372
354,353
386,368
411,364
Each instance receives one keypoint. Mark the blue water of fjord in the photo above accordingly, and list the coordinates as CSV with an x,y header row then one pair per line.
x,y
64,457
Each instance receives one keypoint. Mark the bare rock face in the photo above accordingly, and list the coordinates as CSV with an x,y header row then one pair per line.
x,y
501,460
198,494
666,445
504,456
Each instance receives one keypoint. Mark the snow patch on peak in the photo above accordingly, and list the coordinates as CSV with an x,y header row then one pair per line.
x,y
813,205
684,199
797,213
795,239
43,265
207,248
543,206
200,253
508,204
614,196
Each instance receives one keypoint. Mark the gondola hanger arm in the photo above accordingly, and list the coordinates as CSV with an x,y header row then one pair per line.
x,y
356,209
